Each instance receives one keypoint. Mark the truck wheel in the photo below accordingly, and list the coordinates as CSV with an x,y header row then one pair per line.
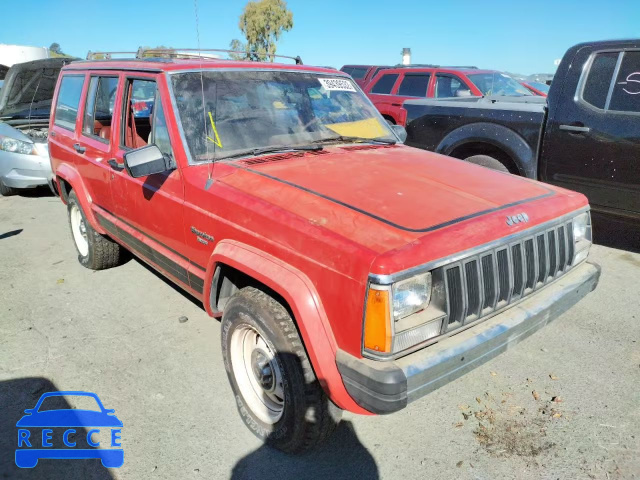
x,y
487,161
276,391
7,191
95,251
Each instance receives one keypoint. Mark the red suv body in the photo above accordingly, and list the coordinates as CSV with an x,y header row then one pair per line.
x,y
348,270
362,74
391,87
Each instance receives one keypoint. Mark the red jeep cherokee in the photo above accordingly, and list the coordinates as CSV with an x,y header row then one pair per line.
x,y
349,271
391,87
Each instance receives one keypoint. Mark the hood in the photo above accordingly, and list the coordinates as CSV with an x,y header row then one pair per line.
x,y
404,188
28,89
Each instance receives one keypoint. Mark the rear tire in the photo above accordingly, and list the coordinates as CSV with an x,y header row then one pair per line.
x,y
488,162
7,191
95,251
276,390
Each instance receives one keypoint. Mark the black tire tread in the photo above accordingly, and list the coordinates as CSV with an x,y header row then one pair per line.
x,y
7,191
488,162
321,414
103,252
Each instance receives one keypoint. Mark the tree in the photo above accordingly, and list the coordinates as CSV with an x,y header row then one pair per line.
x,y
262,23
55,48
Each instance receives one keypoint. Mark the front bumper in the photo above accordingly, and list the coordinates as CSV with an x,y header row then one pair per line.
x,y
386,387
24,171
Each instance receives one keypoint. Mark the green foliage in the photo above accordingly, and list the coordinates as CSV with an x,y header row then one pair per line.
x,y
262,22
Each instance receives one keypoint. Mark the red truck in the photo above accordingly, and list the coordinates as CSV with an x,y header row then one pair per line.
x,y
349,272
391,87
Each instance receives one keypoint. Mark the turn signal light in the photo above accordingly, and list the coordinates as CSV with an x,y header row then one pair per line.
x,y
377,322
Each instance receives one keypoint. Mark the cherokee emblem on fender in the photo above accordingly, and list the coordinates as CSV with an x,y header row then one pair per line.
x,y
513,219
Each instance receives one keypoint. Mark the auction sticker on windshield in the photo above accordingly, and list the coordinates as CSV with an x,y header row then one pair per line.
x,y
337,84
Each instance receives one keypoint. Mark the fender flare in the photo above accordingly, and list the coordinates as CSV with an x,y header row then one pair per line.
x,y
71,175
298,290
512,143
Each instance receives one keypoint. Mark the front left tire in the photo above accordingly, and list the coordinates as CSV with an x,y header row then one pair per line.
x,y
276,391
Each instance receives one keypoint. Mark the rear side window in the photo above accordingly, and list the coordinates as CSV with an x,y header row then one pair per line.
x,y
598,80
68,101
625,96
98,112
347,70
414,85
385,84
358,72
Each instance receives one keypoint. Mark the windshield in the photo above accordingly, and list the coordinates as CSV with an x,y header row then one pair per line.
x,y
245,110
496,83
543,87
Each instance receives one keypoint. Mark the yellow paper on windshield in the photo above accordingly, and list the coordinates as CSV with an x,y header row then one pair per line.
x,y
369,128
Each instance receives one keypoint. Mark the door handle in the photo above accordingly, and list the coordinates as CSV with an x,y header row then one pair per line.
x,y
79,148
575,128
115,165
396,104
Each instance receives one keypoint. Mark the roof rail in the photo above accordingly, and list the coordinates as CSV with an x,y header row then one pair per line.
x,y
201,53
429,65
105,55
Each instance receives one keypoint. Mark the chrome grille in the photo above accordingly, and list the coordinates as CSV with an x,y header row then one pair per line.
x,y
488,281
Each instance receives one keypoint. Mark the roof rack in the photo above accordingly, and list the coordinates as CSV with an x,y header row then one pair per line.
x,y
199,53
203,53
429,65
105,55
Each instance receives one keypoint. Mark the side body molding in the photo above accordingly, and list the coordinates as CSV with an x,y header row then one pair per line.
x,y
298,290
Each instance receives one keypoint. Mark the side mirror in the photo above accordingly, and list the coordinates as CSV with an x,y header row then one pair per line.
x,y
146,161
400,132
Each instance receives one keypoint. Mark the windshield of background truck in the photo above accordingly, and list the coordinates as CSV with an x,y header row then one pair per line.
x,y
223,112
495,83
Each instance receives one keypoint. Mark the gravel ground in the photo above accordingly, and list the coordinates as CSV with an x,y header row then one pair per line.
x,y
117,333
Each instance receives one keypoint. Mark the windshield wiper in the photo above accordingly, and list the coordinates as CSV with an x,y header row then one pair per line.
x,y
346,138
254,152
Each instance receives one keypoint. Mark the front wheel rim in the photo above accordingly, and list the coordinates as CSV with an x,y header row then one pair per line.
x,y
79,230
257,374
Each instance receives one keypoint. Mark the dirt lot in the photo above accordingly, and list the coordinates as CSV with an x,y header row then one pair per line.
x,y
564,403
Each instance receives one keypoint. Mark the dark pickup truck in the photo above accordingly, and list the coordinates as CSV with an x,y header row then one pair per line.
x,y
585,136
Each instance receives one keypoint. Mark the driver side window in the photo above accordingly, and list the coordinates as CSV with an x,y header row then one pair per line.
x,y
159,130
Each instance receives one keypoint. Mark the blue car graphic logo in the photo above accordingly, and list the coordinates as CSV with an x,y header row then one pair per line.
x,y
102,427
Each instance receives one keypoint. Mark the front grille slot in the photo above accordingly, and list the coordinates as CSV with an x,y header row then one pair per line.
x,y
488,282
542,258
518,269
571,246
456,296
482,283
504,276
530,262
553,253
562,249
472,278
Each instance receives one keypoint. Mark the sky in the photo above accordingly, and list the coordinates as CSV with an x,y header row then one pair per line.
x,y
511,35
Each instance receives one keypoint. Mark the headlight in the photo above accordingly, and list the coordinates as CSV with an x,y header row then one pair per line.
x,y
401,315
411,295
16,146
582,237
